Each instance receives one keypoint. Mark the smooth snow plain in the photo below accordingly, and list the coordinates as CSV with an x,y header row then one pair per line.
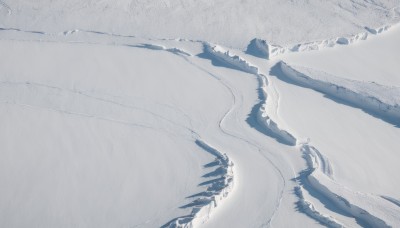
x,y
199,114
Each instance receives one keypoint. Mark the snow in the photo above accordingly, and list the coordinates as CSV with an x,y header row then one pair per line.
x,y
199,114
241,21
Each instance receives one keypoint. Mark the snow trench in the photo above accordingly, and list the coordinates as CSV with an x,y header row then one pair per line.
x,y
378,100
261,48
217,190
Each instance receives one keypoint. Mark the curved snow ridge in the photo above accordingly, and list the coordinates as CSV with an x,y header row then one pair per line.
x,y
265,113
268,111
317,164
382,101
316,161
308,208
217,190
261,48
365,209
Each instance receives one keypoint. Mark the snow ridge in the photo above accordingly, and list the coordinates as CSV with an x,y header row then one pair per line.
x,y
392,200
261,48
268,109
319,175
381,101
217,190
232,60
264,116
310,210
173,50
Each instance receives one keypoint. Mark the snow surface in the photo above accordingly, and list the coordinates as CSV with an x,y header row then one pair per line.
x,y
278,22
199,114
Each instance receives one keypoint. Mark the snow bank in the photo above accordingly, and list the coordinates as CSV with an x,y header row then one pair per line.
x,y
380,100
217,190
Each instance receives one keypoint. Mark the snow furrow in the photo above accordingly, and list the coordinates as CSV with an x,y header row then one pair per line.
x,y
217,190
378,100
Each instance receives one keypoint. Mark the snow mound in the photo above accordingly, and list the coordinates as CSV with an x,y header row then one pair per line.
x,y
379,100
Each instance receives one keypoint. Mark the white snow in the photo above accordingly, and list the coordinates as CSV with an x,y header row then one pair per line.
x,y
136,113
